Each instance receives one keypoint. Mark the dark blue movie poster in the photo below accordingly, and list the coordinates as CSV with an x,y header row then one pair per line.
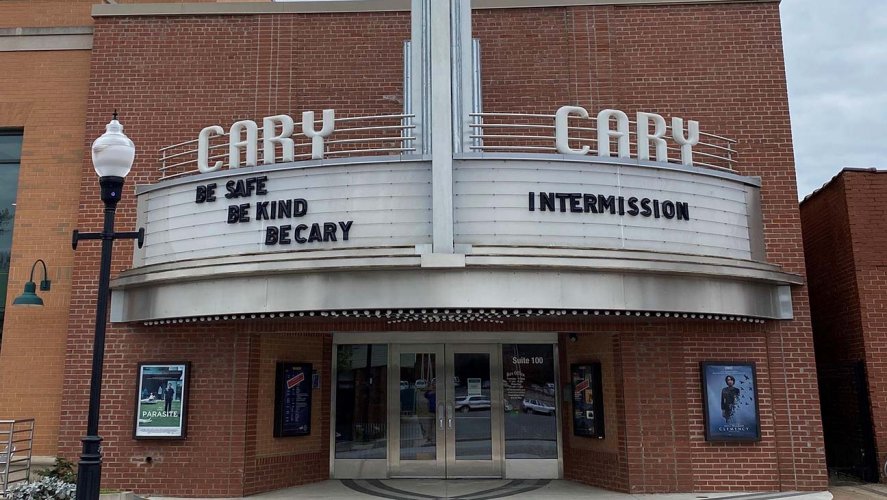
x,y
731,401
292,409
588,401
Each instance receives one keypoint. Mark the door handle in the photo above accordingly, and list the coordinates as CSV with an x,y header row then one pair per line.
x,y
441,416
450,417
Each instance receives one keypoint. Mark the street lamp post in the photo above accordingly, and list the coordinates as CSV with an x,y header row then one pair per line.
x,y
112,157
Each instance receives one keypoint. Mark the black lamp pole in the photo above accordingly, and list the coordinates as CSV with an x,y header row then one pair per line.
x,y
89,470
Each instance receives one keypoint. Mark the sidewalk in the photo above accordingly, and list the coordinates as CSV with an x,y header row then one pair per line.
x,y
860,492
470,489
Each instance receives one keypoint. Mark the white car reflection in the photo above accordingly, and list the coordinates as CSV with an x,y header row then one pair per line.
x,y
536,406
475,402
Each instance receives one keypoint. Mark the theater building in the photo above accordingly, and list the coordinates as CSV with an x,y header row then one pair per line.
x,y
448,239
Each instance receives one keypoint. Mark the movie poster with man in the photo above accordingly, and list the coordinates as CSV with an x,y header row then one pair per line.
x,y
162,393
730,396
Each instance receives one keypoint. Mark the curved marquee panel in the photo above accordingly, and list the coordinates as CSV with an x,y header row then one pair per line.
x,y
279,209
417,290
358,234
582,204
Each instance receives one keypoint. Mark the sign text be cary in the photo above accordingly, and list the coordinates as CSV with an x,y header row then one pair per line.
x,y
612,125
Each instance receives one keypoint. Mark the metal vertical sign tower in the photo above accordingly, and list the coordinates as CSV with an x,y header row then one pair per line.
x,y
442,93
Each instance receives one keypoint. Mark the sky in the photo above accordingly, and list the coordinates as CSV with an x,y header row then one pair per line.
x,y
836,67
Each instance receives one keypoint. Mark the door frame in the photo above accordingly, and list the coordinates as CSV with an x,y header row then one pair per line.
x,y
416,468
379,469
495,467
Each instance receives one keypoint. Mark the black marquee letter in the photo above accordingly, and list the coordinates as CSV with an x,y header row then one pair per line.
x,y
285,234
271,235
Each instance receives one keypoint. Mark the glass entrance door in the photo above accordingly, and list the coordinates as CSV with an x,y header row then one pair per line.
x,y
448,418
474,411
418,417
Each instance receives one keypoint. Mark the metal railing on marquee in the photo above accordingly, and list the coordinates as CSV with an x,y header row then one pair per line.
x,y
353,136
490,133
534,133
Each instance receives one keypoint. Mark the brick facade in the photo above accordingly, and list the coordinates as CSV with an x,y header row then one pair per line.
x,y
170,76
844,238
44,94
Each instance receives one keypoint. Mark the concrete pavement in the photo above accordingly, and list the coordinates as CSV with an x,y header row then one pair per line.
x,y
471,489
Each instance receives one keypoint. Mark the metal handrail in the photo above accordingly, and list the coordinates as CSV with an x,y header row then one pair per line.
x,y
717,151
184,153
534,136
15,452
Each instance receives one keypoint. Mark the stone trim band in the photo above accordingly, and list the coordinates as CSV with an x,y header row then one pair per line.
x,y
184,9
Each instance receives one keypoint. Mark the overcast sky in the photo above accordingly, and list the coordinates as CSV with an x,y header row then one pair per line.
x,y
836,64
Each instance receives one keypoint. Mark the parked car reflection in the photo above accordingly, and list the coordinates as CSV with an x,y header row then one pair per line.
x,y
536,406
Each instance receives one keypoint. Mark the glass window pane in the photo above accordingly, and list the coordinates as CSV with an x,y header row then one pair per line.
x,y
471,377
361,401
530,401
418,406
10,151
10,147
8,189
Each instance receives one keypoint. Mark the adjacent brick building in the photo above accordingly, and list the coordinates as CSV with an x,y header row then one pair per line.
x,y
844,229
43,93
172,70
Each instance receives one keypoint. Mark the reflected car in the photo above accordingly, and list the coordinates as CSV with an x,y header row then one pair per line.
x,y
536,406
421,383
549,389
475,402
404,385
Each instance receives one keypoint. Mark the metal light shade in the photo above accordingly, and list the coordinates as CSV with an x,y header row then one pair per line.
x,y
113,152
29,297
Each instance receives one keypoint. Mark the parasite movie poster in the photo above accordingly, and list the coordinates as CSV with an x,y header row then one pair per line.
x,y
161,407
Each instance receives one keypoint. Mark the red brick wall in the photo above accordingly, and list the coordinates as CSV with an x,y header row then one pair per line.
x,y
171,76
868,226
654,395
282,462
845,235
599,462
658,404
45,97
831,275
726,73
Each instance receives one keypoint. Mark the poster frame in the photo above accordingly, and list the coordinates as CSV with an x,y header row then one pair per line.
x,y
706,417
593,367
186,397
279,382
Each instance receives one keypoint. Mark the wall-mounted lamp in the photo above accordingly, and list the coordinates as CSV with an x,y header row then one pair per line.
x,y
572,337
29,297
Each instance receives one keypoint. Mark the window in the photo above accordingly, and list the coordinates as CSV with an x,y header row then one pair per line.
x,y
10,157
530,402
361,401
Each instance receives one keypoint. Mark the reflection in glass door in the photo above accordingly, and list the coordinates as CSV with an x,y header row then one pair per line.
x,y
447,422
474,411
418,424
447,410
531,411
